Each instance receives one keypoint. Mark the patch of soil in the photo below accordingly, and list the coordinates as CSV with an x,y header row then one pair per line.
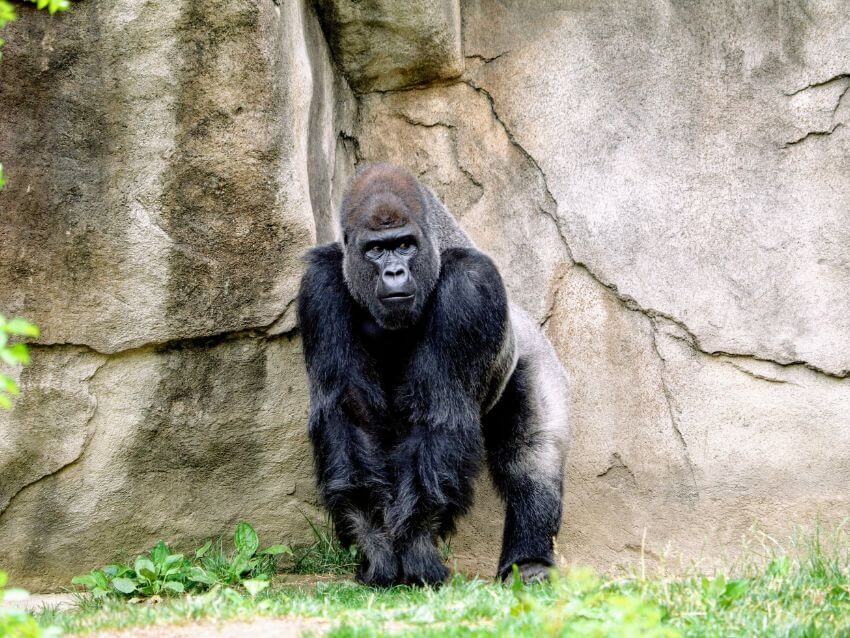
x,y
260,628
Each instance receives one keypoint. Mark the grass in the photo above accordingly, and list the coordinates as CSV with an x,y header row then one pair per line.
x,y
800,592
325,555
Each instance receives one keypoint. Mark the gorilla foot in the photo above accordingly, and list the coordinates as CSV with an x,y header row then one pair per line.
x,y
421,564
381,572
534,572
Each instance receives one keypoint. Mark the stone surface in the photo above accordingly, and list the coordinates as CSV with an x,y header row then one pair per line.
x,y
160,182
681,145
664,188
184,442
167,163
388,44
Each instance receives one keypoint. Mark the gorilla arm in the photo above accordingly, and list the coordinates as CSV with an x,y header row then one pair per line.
x,y
351,471
467,335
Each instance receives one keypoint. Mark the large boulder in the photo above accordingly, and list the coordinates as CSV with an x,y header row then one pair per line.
x,y
388,44
665,189
168,163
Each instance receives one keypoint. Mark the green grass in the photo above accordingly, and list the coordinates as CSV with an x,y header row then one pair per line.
x,y
325,555
802,592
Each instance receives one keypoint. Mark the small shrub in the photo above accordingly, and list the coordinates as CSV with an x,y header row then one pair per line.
x,y
157,572
246,565
583,606
162,572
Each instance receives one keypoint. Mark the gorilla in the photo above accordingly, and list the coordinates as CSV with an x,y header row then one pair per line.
x,y
421,371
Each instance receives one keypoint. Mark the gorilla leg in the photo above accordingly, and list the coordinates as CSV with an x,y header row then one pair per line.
x,y
434,486
524,437
354,485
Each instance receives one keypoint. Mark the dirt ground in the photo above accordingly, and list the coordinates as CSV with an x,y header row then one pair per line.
x,y
260,628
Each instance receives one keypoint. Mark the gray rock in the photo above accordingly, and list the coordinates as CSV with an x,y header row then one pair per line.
x,y
162,181
388,44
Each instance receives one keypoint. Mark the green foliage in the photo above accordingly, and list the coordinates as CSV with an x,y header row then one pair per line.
x,y
161,572
13,354
799,592
17,623
325,555
583,606
158,572
245,565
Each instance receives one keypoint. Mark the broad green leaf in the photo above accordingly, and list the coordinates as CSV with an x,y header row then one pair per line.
x,y
246,539
199,575
4,338
5,402
8,384
159,553
145,567
22,327
254,585
100,579
116,570
19,353
86,580
173,585
734,590
277,549
203,549
238,566
124,585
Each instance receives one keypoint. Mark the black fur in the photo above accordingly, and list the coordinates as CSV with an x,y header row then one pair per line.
x,y
396,407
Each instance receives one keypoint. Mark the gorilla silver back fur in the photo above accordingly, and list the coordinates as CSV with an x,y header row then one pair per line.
x,y
526,341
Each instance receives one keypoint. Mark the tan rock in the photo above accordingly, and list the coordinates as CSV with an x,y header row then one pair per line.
x,y
388,44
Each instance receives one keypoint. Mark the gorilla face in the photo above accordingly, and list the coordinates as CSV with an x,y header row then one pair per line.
x,y
391,261
391,272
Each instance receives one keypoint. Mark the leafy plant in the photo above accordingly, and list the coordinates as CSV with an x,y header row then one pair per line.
x,y
246,565
718,592
18,623
158,572
584,607
162,572
13,354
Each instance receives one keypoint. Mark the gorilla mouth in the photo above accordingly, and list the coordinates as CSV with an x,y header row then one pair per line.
x,y
397,298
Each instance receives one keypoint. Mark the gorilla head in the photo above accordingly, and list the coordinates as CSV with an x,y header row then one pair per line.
x,y
391,263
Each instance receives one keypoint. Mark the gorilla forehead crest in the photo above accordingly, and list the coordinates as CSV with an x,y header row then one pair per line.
x,y
383,196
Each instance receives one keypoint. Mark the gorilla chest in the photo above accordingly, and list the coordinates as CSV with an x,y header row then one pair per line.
x,y
390,352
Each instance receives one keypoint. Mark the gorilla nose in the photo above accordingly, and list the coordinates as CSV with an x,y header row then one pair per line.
x,y
395,277
396,283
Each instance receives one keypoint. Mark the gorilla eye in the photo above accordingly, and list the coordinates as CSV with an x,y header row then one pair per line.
x,y
406,248
374,253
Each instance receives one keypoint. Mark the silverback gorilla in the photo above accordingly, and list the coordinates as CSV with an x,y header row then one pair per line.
x,y
420,369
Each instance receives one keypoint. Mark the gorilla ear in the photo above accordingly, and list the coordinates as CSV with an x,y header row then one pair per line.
x,y
345,237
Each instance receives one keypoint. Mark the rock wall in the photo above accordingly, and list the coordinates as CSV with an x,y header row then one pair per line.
x,y
664,186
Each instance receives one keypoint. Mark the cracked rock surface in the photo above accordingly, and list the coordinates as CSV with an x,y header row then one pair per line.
x,y
663,186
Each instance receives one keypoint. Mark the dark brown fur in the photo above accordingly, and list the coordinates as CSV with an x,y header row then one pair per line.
x,y
383,196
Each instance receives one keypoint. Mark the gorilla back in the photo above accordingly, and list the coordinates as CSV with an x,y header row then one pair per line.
x,y
420,372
